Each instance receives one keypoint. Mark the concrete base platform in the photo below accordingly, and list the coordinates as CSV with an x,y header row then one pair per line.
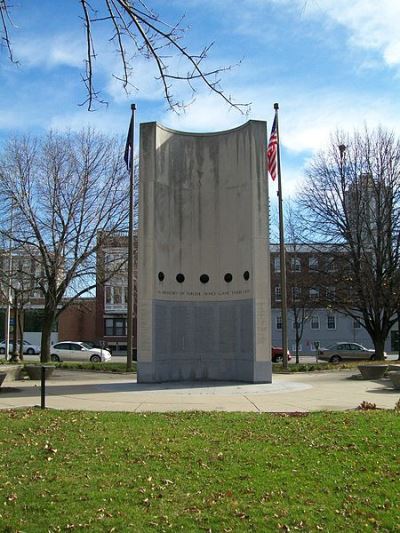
x,y
320,391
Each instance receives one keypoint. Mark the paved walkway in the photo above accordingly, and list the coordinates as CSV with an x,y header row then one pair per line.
x,y
288,392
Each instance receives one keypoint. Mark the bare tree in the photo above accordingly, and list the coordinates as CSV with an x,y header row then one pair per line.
x,y
352,201
299,281
19,283
136,29
67,192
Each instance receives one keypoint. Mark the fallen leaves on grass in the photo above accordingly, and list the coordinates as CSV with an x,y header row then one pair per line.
x,y
366,406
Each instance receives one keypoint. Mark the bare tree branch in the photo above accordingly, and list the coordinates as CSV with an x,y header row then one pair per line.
x,y
6,22
136,30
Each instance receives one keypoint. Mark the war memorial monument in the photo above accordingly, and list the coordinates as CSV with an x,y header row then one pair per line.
x,y
203,266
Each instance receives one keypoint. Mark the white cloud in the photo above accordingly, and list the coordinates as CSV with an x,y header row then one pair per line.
x,y
50,52
207,113
371,25
307,116
143,79
104,120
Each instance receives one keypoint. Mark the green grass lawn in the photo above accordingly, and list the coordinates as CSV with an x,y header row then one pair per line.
x,y
219,472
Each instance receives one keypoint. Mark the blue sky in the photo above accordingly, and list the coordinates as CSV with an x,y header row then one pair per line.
x,y
329,64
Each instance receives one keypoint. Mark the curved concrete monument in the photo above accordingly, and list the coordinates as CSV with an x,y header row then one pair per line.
x,y
203,278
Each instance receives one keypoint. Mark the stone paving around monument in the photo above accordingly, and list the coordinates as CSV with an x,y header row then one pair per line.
x,y
288,392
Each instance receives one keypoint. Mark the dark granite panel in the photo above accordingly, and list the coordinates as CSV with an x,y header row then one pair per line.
x,y
203,341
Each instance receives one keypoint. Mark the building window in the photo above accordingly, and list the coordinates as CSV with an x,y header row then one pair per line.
x,y
295,264
119,327
315,346
115,327
331,321
330,293
332,265
294,348
314,294
108,261
279,322
117,295
278,296
277,264
315,322
313,263
108,294
296,293
356,324
109,327
116,261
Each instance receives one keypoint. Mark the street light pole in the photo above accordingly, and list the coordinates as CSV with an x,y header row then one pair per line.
x,y
9,289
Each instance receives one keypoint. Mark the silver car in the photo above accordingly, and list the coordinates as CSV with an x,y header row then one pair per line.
x,y
28,348
78,351
346,350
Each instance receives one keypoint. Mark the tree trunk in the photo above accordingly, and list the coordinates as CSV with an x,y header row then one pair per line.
x,y
379,344
297,347
46,335
398,334
14,355
21,334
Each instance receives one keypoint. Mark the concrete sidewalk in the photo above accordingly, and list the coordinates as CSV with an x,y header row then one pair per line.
x,y
114,392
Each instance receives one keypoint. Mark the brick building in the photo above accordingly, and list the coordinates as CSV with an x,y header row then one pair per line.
x,y
112,293
312,284
78,322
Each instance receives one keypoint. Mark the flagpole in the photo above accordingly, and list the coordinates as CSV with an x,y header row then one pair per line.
x,y
131,246
282,251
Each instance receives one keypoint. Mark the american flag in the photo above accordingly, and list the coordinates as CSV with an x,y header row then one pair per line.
x,y
272,151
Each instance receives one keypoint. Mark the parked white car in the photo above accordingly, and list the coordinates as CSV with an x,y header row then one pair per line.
x,y
78,351
28,348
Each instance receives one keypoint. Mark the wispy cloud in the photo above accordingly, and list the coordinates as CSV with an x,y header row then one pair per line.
x,y
143,83
103,120
308,116
371,25
50,51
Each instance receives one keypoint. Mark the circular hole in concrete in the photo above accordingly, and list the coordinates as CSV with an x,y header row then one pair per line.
x,y
246,275
204,278
228,277
161,276
180,278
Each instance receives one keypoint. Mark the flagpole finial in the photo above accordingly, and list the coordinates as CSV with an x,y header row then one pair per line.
x,y
276,106
133,107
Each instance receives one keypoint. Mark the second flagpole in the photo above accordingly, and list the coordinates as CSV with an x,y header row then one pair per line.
x,y
282,253
131,247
